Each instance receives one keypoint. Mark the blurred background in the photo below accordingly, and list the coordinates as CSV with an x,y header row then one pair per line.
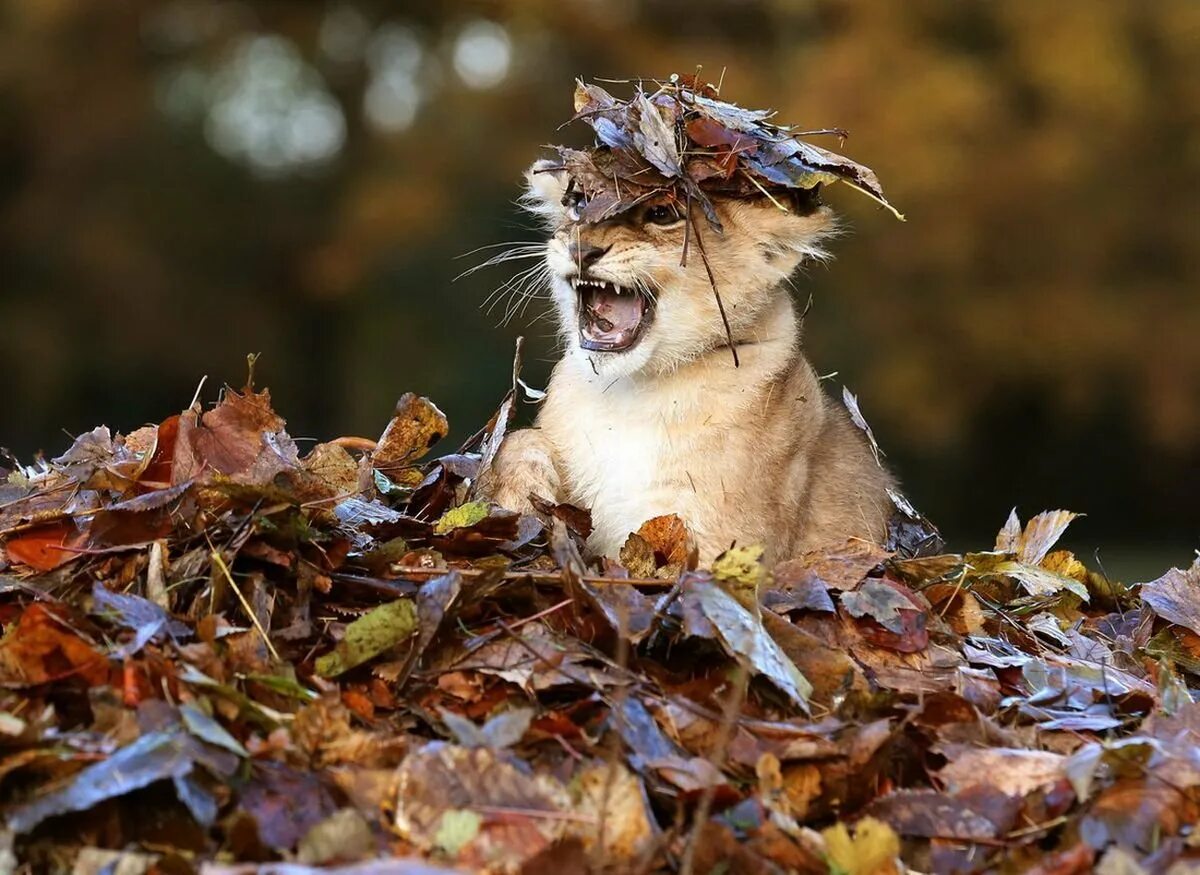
x,y
185,182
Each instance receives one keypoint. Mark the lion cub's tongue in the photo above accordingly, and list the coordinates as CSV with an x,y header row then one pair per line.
x,y
611,319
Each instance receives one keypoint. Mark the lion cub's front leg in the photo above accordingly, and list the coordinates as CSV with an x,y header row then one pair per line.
x,y
524,466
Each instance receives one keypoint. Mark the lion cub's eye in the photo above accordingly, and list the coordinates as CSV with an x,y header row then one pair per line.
x,y
663,214
574,201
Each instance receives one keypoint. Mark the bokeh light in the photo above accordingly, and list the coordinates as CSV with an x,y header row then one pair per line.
x,y
271,110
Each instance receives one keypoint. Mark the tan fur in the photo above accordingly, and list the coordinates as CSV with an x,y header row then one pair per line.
x,y
754,454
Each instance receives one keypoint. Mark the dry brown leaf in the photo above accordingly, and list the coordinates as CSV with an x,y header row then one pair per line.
x,y
612,798
1012,771
1038,537
1176,596
515,815
416,426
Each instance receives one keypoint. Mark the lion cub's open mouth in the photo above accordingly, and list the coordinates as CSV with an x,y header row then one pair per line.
x,y
611,317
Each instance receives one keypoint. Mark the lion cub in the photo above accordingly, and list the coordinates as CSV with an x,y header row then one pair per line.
x,y
646,413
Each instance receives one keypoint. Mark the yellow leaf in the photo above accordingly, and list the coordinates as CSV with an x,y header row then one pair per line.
x,y
462,516
872,850
741,565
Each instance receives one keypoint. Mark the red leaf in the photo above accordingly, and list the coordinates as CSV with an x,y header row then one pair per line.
x,y
159,468
45,547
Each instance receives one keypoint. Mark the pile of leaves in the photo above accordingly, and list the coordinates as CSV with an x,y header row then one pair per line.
x,y
224,655
680,143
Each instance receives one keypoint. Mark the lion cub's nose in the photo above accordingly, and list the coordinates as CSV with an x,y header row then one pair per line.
x,y
585,254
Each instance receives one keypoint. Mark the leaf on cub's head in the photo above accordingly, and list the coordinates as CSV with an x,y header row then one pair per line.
x,y
678,142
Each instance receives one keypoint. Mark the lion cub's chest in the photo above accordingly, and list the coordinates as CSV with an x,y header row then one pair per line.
x,y
631,456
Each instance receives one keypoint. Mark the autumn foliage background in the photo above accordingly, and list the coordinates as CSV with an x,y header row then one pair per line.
x,y
185,182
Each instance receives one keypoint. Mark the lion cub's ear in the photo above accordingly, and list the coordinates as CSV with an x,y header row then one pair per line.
x,y
545,186
793,233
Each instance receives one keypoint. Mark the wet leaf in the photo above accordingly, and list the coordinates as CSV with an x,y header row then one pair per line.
x,y
1016,772
838,567
860,421
879,601
42,647
143,616
504,730
241,436
661,547
457,829
342,837
899,612
928,814
618,822
655,137
205,728
285,804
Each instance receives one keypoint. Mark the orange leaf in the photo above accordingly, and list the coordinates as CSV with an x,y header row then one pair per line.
x,y
43,648
158,470
42,548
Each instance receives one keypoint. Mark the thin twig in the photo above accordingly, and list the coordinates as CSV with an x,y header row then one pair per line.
x,y
713,282
551,578
687,230
199,389
350,442
544,813
612,751
733,705
220,563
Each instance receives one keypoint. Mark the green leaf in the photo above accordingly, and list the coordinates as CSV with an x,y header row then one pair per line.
x,y
205,728
462,517
457,829
285,686
369,635
389,488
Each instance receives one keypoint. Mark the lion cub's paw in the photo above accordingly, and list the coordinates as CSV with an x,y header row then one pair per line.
x,y
522,467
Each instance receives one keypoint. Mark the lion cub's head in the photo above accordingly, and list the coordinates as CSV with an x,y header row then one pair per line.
x,y
626,300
